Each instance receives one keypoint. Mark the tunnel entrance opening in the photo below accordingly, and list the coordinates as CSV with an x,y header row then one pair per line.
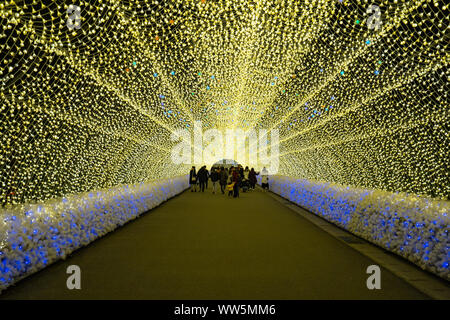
x,y
226,163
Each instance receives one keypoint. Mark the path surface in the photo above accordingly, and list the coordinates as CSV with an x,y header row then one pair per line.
x,y
205,246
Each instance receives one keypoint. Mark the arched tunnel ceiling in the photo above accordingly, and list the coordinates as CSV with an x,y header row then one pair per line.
x,y
92,107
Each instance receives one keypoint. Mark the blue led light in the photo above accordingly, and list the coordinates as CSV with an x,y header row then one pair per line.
x,y
58,236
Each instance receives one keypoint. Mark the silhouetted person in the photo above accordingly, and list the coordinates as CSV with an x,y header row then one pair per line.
x,y
223,179
252,178
207,177
265,179
236,180
193,179
241,172
202,176
214,178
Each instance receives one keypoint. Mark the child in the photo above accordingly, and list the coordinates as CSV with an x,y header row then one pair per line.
x,y
265,182
230,188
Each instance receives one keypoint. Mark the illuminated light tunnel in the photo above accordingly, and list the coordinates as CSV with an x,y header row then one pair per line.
x,y
95,96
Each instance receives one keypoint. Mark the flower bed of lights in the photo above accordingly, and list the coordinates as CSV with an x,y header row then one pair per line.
x,y
36,235
416,228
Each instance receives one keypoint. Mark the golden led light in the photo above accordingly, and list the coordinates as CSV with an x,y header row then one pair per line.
x,y
94,107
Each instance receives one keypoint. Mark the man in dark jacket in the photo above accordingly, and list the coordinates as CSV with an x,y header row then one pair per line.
x,y
214,178
223,179
207,177
241,172
202,176
236,178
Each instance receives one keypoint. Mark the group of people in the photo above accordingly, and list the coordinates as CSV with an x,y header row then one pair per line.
x,y
231,180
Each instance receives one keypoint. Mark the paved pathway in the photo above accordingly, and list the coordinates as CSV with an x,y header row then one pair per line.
x,y
205,246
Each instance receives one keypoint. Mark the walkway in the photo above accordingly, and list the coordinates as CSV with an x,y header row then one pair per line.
x,y
205,246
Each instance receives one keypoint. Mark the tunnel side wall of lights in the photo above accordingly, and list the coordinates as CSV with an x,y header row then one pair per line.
x,y
36,235
90,98
413,227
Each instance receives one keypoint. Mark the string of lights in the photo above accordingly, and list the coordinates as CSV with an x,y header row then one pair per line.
x,y
91,92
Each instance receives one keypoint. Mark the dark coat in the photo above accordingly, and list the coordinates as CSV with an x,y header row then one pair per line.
x,y
223,177
202,175
252,176
192,177
214,176
236,176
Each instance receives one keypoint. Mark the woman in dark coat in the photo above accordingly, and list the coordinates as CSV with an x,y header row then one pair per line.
x,y
223,179
193,179
252,178
236,178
